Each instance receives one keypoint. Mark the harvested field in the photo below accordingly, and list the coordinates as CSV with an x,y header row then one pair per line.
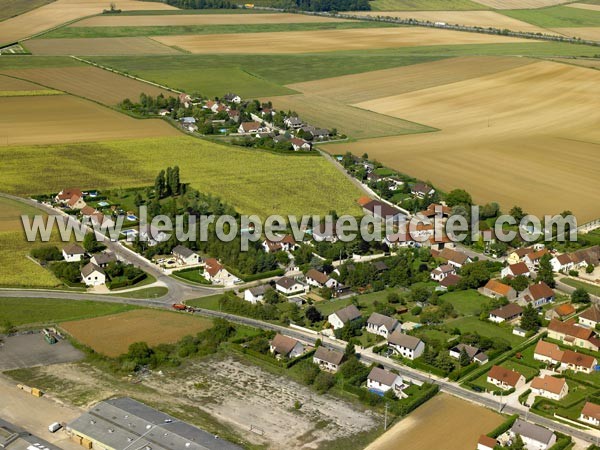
x,y
63,118
520,4
381,83
468,18
584,6
583,62
12,84
424,5
99,47
357,123
62,11
112,335
326,40
456,422
90,82
589,33
12,8
518,123
198,19
10,214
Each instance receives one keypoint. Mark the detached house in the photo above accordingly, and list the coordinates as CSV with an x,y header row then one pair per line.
x,y
382,211
547,352
76,202
561,263
67,194
505,378
577,362
344,316
256,294
590,317
515,270
519,255
232,98
286,347
92,275
288,286
328,359
380,381
249,127
506,313
300,144
186,256
407,346
381,325
421,190
533,259
539,294
442,272
486,443
455,258
293,122
103,259
550,387
474,354
217,274
319,279
73,252
534,437
590,414
571,334
497,289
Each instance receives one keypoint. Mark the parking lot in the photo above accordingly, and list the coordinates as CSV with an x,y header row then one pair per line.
x,y
30,350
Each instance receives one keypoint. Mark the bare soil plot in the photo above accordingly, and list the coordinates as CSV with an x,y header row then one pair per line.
x,y
63,118
584,6
31,350
381,83
511,137
589,33
112,335
326,40
12,84
62,11
99,47
198,19
89,82
520,4
468,18
455,422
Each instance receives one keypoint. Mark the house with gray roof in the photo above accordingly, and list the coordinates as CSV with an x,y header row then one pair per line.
x,y
534,436
344,316
328,359
92,275
257,293
186,256
381,325
407,346
380,381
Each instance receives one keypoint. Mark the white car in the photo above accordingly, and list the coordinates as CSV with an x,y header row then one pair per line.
x,y
54,427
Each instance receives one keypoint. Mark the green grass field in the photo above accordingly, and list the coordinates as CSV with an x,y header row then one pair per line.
x,y
134,31
186,12
466,303
23,311
151,292
488,329
12,8
253,181
425,5
35,62
556,17
30,93
594,290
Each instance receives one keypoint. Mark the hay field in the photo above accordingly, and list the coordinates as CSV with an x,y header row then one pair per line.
x,y
99,47
589,33
12,8
199,19
456,422
355,122
365,86
112,335
468,18
517,137
326,40
584,6
90,82
254,182
63,118
62,11
520,4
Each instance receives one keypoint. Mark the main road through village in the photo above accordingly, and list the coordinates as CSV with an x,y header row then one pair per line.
x,y
179,291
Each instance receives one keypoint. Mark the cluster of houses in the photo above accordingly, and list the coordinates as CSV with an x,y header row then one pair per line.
x,y
92,274
73,198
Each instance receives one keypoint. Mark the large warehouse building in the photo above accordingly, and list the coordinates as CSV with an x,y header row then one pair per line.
x,y
126,424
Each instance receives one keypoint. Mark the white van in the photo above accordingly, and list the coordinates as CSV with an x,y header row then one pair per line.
x,y
54,427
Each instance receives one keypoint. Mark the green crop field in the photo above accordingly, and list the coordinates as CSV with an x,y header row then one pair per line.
x,y
556,17
187,12
134,31
253,181
22,311
35,62
11,8
425,5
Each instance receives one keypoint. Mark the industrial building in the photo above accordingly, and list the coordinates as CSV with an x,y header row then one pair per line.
x,y
126,424
15,438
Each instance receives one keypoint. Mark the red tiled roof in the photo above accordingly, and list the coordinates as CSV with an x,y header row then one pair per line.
x,y
505,375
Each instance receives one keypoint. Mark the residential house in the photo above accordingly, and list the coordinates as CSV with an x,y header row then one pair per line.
x,y
590,414
422,190
232,98
67,194
380,381
325,232
533,259
92,275
547,352
328,359
286,347
383,211
519,332
569,333
234,115
320,279
73,252
401,240
550,387
103,259
186,256
505,378
256,294
506,313
76,202
497,289
289,286
441,272
534,437
450,281
562,263
152,235
577,362
486,443
185,99
590,317
561,311
539,294
287,243
515,270
454,257
474,354
407,346
300,144
293,122
249,127
343,317
434,211
217,274
88,211
586,257
518,255
381,325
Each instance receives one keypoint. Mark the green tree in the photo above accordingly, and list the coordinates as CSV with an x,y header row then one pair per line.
x,y
91,244
519,283
545,272
530,321
159,184
459,197
464,358
323,382
517,212
580,295
313,314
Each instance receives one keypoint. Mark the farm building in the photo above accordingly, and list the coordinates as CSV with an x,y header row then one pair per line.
x,y
119,422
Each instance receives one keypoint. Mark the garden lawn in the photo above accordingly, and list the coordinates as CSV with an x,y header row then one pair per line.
x,y
571,405
487,329
210,302
592,289
526,371
466,303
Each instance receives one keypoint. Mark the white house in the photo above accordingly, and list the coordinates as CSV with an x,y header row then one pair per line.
x,y
73,252
103,259
151,235
256,294
473,353
328,359
590,414
533,259
217,274
381,325
505,378
286,347
455,258
486,443
185,256
561,263
408,346
67,194
534,437
550,387
381,381
288,286
293,122
344,316
249,128
421,190
232,98
319,279
442,272
507,313
76,202
539,294
515,270
590,317
92,275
